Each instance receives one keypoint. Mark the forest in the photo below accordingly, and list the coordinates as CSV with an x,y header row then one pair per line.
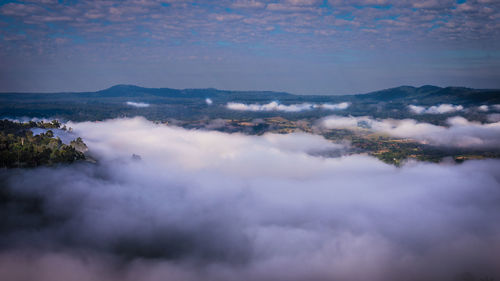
x,y
20,148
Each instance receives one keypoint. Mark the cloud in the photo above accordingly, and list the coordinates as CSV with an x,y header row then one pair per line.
x,y
293,6
137,104
459,133
303,2
465,7
228,17
483,108
276,106
440,109
214,206
18,9
176,30
494,117
342,105
248,4
428,4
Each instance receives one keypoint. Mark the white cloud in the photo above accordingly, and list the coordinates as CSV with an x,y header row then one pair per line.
x,y
459,133
483,108
275,106
440,109
137,104
248,4
194,148
303,2
214,206
227,17
285,7
494,117
416,109
342,105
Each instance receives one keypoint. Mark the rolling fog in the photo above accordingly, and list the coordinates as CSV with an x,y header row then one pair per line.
x,y
204,205
276,106
460,132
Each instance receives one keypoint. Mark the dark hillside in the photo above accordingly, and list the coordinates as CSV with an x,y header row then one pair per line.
x,y
190,103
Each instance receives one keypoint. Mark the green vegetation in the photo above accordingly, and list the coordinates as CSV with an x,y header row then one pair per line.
x,y
20,148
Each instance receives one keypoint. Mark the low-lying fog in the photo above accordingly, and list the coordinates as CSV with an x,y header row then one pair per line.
x,y
460,132
204,205
276,106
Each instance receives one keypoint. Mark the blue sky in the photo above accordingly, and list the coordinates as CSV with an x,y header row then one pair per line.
x,y
299,46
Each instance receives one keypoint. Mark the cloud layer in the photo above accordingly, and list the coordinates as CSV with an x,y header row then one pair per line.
x,y
437,109
214,206
276,106
298,46
137,104
459,133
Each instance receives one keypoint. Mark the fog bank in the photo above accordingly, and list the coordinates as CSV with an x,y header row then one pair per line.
x,y
435,109
276,106
202,205
459,133
138,104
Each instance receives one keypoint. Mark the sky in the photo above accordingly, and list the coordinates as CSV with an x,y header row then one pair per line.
x,y
298,46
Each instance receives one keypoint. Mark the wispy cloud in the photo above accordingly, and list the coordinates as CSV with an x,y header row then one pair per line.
x,y
276,106
137,104
483,108
261,35
459,133
439,109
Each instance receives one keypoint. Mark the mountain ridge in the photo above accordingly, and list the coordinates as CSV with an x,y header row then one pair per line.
x,y
163,103
423,95
131,87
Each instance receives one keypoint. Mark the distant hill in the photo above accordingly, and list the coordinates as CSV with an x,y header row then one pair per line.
x,y
166,103
136,91
431,95
427,94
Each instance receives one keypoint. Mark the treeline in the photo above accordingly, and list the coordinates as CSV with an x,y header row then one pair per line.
x,y
20,148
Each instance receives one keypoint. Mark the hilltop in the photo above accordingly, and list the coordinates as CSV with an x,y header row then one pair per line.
x,y
163,103
430,95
